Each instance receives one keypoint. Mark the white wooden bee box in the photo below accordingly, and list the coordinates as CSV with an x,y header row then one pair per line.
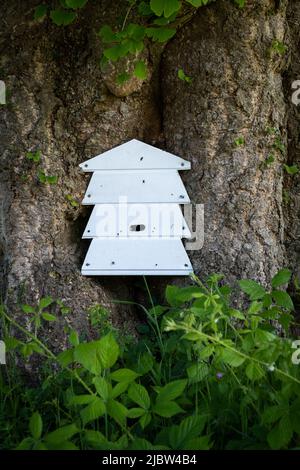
x,y
136,225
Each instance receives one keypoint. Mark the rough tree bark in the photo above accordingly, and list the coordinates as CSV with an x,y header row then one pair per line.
x,y
59,103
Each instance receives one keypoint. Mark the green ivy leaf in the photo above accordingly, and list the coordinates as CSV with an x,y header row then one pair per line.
x,y
36,425
62,17
282,277
144,9
136,412
160,34
166,7
198,3
252,288
140,70
76,3
81,399
107,35
86,355
40,12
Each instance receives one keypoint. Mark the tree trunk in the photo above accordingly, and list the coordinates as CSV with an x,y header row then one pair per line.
x,y
58,102
236,92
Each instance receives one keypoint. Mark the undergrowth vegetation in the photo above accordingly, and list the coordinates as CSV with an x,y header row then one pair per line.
x,y
202,375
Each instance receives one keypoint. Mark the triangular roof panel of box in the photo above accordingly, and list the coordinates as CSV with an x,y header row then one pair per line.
x,y
135,155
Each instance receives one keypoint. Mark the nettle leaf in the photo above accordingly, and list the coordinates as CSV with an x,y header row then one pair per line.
x,y
62,434
120,388
165,7
107,351
117,411
86,355
66,357
36,425
81,399
103,387
282,277
136,412
62,17
252,288
138,394
198,372
76,3
74,338
140,70
232,358
281,433
95,439
283,299
167,408
172,390
160,34
40,12
124,375
188,429
93,411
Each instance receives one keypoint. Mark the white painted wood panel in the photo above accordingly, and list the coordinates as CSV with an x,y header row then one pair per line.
x,y
151,186
135,155
137,220
136,256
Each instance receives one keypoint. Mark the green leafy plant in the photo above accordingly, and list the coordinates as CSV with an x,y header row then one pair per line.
x,y
182,76
46,179
72,201
278,47
291,169
34,156
239,141
202,375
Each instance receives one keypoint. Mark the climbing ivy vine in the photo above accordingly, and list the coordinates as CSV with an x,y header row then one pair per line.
x,y
154,20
